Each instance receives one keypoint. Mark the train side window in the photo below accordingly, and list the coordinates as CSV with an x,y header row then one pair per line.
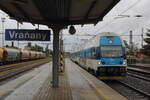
x,y
124,52
98,54
93,53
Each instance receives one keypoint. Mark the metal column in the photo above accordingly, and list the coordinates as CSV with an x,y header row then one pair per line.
x,y
131,43
55,81
142,37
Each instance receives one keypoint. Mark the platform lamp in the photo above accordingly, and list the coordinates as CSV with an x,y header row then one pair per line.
x,y
72,30
3,21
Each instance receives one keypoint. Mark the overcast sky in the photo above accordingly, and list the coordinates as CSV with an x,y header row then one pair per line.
x,y
110,23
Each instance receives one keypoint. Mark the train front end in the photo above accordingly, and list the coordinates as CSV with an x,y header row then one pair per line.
x,y
112,63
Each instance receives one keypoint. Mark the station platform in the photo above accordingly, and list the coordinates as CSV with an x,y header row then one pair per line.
x,y
74,84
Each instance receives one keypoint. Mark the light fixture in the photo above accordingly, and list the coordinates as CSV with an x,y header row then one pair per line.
x,y
72,30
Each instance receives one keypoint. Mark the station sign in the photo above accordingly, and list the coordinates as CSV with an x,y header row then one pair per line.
x,y
27,35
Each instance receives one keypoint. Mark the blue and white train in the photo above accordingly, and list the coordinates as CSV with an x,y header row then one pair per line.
x,y
103,55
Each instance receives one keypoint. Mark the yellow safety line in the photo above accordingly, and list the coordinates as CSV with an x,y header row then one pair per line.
x,y
111,78
95,87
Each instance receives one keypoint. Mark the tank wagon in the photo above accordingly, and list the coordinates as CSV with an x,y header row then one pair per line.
x,y
25,55
104,56
10,55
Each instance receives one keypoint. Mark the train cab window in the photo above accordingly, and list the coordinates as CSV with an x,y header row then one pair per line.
x,y
111,51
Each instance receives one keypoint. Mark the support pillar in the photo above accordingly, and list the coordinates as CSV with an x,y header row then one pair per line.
x,y
55,78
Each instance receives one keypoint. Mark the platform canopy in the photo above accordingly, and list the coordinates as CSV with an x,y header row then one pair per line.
x,y
64,12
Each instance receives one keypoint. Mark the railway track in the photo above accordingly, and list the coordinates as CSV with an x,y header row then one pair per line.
x,y
138,76
135,86
142,93
140,72
140,67
128,91
8,71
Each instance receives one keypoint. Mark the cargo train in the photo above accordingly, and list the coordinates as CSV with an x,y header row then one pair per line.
x,y
11,55
104,56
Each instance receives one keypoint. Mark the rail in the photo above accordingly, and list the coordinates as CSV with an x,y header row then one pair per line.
x,y
12,70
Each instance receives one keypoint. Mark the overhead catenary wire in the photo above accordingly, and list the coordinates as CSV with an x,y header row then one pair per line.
x,y
130,7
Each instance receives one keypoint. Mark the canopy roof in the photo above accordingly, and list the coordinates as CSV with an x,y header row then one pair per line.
x,y
64,12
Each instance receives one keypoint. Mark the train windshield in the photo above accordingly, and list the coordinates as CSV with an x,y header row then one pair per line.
x,y
111,51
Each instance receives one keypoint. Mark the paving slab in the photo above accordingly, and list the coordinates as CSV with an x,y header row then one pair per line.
x,y
27,90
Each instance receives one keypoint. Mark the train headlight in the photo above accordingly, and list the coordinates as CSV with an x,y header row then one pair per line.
x,y
124,62
99,63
